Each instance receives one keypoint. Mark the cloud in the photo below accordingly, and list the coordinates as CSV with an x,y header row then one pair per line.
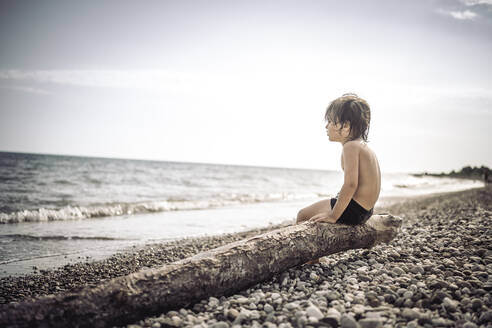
x,y
37,91
139,79
476,2
463,15
148,81
460,15
479,11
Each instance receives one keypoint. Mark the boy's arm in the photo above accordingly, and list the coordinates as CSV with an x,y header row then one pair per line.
x,y
350,156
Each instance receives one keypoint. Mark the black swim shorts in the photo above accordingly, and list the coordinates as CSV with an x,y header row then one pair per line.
x,y
354,213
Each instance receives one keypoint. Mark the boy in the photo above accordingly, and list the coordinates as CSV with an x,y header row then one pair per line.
x,y
348,119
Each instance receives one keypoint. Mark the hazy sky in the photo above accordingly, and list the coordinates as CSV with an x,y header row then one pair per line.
x,y
247,82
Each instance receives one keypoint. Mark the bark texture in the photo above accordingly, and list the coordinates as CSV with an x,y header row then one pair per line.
x,y
217,272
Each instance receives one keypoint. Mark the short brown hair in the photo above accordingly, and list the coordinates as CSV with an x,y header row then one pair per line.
x,y
352,109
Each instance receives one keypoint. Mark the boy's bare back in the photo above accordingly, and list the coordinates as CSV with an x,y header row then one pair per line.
x,y
369,175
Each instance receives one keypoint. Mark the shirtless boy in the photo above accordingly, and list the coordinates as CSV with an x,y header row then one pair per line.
x,y
348,119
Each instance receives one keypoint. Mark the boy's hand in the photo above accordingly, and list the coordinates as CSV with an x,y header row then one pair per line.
x,y
322,217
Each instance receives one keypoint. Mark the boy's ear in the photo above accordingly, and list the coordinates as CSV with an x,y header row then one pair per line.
x,y
346,128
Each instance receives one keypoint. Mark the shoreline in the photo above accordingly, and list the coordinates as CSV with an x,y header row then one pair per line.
x,y
58,261
249,218
411,262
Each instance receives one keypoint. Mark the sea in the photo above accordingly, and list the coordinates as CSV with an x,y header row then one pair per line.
x,y
56,210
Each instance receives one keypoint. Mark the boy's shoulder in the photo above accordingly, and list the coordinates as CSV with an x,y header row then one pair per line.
x,y
354,145
356,148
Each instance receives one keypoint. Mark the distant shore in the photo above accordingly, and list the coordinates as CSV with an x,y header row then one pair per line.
x,y
467,172
437,272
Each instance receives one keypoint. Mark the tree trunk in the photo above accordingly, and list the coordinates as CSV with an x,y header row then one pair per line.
x,y
220,271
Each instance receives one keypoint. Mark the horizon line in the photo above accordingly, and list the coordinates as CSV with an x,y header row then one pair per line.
x,y
221,164
165,160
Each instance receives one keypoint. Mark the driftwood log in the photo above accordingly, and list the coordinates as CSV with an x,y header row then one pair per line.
x,y
221,271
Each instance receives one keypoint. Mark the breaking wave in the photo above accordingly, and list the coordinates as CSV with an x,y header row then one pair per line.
x,y
16,237
119,209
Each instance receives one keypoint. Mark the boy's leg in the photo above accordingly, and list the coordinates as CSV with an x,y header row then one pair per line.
x,y
310,211
313,209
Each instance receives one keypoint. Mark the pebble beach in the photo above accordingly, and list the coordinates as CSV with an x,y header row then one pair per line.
x,y
436,273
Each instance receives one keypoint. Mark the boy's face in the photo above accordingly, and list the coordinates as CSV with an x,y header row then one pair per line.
x,y
336,132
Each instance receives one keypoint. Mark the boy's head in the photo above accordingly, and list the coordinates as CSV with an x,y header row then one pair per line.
x,y
352,110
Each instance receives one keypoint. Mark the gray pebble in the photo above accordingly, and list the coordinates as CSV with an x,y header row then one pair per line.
x,y
254,315
176,320
407,294
486,317
334,312
398,272
374,314
469,325
313,320
476,304
352,281
291,306
331,320
417,269
389,298
220,324
313,311
190,318
410,314
173,313
268,308
302,321
347,321
332,295
401,291
348,297
271,318
213,302
408,303
269,325
299,314
232,314
370,323
449,304
242,300
240,318
275,296
358,308
413,324
442,322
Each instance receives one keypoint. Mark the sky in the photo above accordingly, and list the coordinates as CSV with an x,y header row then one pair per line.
x,y
247,82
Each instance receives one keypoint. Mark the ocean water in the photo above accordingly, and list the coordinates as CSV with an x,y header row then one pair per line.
x,y
59,209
